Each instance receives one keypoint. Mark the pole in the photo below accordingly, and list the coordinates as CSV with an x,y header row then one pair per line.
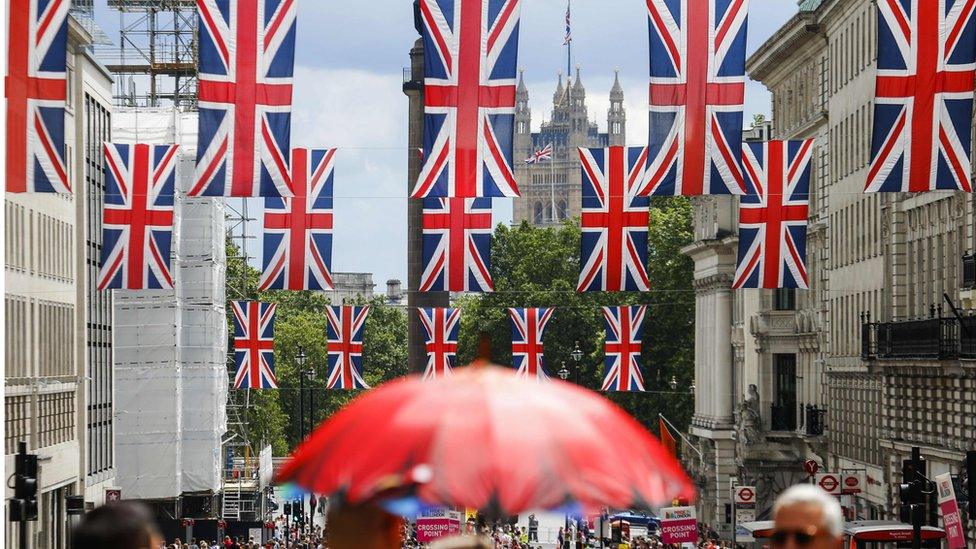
x,y
916,509
552,184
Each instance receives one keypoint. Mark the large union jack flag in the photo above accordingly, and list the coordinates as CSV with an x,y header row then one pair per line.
x,y
697,86
298,230
623,348
923,107
470,58
247,57
613,220
773,216
345,335
137,219
456,245
37,39
441,329
528,325
254,345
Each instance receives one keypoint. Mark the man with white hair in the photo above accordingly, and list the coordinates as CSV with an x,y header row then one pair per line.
x,y
807,517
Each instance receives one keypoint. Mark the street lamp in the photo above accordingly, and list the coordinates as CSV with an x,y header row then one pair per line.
x,y
577,354
563,373
673,383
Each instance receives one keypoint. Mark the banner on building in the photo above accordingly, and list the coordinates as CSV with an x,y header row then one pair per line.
x,y
438,524
679,525
951,519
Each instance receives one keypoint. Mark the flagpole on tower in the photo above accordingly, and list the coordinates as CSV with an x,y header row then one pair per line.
x,y
568,41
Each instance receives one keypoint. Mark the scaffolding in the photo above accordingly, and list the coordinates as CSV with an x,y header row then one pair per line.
x,y
156,58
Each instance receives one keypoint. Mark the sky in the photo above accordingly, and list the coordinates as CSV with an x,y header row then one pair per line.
x,y
347,94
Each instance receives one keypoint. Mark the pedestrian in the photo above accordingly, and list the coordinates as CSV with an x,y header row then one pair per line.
x,y
533,528
805,516
363,527
118,525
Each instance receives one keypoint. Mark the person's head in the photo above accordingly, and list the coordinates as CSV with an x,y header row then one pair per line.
x,y
118,525
363,527
807,517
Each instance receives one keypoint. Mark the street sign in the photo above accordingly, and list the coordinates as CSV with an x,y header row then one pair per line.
x,y
830,482
679,525
811,467
853,482
951,517
113,494
744,495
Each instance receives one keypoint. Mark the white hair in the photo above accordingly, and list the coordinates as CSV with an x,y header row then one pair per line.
x,y
808,494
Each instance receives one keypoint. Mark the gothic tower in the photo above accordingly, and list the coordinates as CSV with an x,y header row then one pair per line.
x,y
522,144
616,117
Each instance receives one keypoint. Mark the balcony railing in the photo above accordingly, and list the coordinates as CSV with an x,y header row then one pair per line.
x,y
782,417
969,272
815,420
936,338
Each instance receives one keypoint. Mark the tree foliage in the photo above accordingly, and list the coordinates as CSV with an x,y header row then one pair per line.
x,y
538,267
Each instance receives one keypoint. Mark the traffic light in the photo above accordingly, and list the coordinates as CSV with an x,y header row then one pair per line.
x,y
296,508
910,490
23,506
287,508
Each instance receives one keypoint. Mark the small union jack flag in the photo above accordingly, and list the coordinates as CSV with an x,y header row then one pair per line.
x,y
345,334
441,326
247,57
545,153
569,34
923,107
773,216
613,220
37,41
137,219
470,56
254,345
697,86
456,245
298,230
528,326
623,348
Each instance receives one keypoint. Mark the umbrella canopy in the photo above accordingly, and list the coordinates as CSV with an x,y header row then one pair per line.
x,y
486,439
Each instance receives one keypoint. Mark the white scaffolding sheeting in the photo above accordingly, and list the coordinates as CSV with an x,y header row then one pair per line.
x,y
170,360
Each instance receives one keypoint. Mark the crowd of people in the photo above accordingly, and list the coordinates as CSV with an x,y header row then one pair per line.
x,y
804,516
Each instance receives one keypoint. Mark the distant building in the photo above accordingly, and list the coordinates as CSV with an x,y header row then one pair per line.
x,y
394,292
350,287
58,385
550,190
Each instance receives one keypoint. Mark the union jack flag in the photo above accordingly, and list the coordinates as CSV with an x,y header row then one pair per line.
x,y
298,230
569,35
923,107
254,345
773,216
697,85
545,153
441,326
623,348
613,220
528,326
345,334
247,57
457,244
470,55
137,219
37,40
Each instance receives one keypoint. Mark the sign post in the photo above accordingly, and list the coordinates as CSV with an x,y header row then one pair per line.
x,y
951,518
438,524
829,482
679,525
743,507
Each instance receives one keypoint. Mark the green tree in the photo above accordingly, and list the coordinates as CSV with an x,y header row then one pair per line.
x,y
535,267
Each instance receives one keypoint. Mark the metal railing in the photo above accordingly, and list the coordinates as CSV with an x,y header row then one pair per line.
x,y
815,417
936,338
782,417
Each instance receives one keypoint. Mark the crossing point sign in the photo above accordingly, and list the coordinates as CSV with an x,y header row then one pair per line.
x,y
830,482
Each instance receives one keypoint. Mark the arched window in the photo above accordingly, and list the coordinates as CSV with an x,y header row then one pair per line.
x,y
561,210
537,216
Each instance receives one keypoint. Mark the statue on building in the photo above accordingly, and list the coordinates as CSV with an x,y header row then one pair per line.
x,y
749,427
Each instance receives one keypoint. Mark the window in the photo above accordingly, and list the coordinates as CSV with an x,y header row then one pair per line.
x,y
537,216
784,392
784,299
561,210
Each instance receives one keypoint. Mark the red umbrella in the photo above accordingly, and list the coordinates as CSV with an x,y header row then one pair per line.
x,y
486,439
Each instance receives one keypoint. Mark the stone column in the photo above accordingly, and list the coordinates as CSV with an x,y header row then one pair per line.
x,y
413,89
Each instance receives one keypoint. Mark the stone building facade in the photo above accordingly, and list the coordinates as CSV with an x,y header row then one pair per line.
x,y
550,190
868,362
58,343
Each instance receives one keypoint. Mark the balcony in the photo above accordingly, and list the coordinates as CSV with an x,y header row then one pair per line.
x,y
935,338
815,417
782,417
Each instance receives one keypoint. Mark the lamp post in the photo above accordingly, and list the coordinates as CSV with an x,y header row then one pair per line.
x,y
563,373
301,358
577,356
